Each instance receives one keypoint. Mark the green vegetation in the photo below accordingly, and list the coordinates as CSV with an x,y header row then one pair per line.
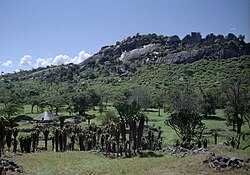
x,y
75,162
199,100
89,163
204,74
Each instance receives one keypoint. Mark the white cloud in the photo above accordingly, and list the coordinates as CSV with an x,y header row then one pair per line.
x,y
8,63
62,59
43,62
81,57
25,61
233,29
17,70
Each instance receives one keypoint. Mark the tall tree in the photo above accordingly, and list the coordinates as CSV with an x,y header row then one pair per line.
x,y
183,98
208,103
237,93
2,133
184,105
94,97
81,102
158,101
12,103
141,96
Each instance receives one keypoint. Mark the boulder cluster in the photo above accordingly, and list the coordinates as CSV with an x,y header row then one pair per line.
x,y
171,49
9,165
219,162
180,151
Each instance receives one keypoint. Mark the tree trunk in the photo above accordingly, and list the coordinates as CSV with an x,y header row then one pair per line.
x,y
215,138
57,111
56,140
239,124
53,143
130,140
233,126
159,111
15,145
32,109
46,142
61,141
238,141
0,148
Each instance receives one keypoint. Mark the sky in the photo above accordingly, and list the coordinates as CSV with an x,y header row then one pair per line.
x,y
38,33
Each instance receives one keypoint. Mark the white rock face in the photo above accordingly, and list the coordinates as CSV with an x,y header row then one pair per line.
x,y
138,53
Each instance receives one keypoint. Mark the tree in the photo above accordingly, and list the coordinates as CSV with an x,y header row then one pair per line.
x,y
2,133
94,97
208,103
55,101
33,98
141,96
15,133
81,103
12,103
158,101
109,117
238,102
186,124
89,117
46,135
129,111
183,98
62,120
184,105
34,101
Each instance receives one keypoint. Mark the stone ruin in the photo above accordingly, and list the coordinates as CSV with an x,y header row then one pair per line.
x,y
9,165
219,162
181,152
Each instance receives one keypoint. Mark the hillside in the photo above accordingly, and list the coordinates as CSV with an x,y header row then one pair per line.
x,y
171,49
155,62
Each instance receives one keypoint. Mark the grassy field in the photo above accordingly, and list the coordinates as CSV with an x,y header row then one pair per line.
x,y
51,163
75,162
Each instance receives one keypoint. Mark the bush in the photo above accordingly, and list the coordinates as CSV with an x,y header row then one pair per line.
x,y
109,117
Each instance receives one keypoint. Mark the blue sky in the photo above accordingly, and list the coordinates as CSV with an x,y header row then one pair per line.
x,y
37,33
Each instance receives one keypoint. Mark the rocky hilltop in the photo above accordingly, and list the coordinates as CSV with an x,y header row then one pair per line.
x,y
124,58
171,49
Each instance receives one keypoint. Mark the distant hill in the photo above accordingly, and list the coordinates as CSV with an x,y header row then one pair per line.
x,y
153,61
171,49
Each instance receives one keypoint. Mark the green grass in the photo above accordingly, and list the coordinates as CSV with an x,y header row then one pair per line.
x,y
48,163
51,163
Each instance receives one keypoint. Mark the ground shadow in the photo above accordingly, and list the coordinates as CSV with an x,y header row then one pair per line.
x,y
150,154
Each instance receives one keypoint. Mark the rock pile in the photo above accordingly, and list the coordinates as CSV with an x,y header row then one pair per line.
x,y
9,165
180,152
218,162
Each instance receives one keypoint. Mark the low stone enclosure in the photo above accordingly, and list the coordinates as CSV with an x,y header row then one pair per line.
x,y
218,162
8,165
215,161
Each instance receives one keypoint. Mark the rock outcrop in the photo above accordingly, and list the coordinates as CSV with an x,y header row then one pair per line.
x,y
220,162
171,49
138,54
141,49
